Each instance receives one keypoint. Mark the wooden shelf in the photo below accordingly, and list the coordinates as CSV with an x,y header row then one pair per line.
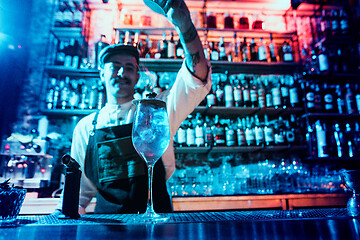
x,y
239,149
331,116
173,65
67,32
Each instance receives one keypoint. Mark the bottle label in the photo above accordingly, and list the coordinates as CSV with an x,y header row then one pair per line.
x,y
259,135
269,98
290,136
211,100
219,94
269,135
190,136
237,95
323,62
262,53
321,143
246,95
262,101
284,91
181,136
230,137
253,95
250,136
294,97
241,137
310,98
199,132
279,138
276,94
228,93
328,99
179,52
214,56
288,57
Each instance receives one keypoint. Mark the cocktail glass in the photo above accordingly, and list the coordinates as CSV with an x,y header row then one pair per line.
x,y
151,137
351,179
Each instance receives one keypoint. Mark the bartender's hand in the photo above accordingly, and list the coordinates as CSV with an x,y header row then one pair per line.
x,y
82,210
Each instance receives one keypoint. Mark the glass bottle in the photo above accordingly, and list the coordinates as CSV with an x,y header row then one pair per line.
x,y
171,47
230,132
228,91
249,132
199,131
268,132
262,52
222,50
237,91
240,132
259,132
245,51
328,99
253,51
208,131
219,132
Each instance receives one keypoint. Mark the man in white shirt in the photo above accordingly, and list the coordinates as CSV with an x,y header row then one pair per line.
x,y
118,179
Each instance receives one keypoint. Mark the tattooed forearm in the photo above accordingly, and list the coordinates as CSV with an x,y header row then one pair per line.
x,y
195,58
192,61
189,35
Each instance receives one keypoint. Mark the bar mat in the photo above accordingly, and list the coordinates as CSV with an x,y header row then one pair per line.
x,y
239,216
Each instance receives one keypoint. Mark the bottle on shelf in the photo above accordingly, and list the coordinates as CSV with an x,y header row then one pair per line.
x,y
271,50
321,140
246,93
50,94
214,56
268,94
190,132
311,141
60,53
349,100
287,52
335,23
340,101
253,51
240,132
309,96
357,97
230,133
208,131
101,44
249,131
349,137
222,50
262,51
261,92
199,131
164,46
294,94
323,60
181,135
253,94
65,93
259,132
339,140
171,47
318,104
268,132
180,50
284,89
276,94
211,99
228,92
245,51
238,96
220,93
328,99
279,132
219,132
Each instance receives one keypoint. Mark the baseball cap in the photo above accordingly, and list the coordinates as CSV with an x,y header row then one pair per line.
x,y
111,50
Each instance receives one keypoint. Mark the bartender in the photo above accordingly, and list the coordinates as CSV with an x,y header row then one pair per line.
x,y
112,171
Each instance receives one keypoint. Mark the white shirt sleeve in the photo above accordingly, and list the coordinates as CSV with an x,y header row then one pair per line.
x,y
184,96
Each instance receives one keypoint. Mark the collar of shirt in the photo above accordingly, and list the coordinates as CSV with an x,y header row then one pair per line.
x,y
118,114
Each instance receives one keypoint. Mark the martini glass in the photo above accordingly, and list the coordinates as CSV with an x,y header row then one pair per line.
x,y
151,137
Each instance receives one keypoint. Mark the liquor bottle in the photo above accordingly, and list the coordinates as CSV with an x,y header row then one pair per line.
x,y
287,52
335,23
164,46
294,93
171,47
261,94
228,91
249,132
93,97
67,15
289,133
284,89
321,140
328,99
311,141
50,94
349,137
279,132
74,95
78,14
309,96
240,132
146,50
253,51
318,105
236,49
276,94
209,138
262,53
357,97
199,131
68,50
219,132
325,23
268,94
323,60
211,99
340,101
159,50
230,133
220,93
59,14
190,132
214,52
60,54
268,132
246,93
180,50
356,136
101,96
344,22
157,89
349,100
238,97
314,63
65,93
245,52
259,132
84,93
101,44
222,50
181,134
339,140
253,94
272,50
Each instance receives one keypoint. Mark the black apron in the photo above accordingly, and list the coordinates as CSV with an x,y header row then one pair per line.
x,y
120,175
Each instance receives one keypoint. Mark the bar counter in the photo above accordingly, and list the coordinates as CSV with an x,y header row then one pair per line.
x,y
332,223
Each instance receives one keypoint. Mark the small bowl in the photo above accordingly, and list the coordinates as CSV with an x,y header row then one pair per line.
x,y
11,200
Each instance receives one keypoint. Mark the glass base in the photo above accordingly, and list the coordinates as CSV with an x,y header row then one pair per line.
x,y
150,217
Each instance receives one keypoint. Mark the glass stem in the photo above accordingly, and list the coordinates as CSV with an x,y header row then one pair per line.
x,y
150,208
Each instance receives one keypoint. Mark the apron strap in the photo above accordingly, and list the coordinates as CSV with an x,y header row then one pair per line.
x,y
94,122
